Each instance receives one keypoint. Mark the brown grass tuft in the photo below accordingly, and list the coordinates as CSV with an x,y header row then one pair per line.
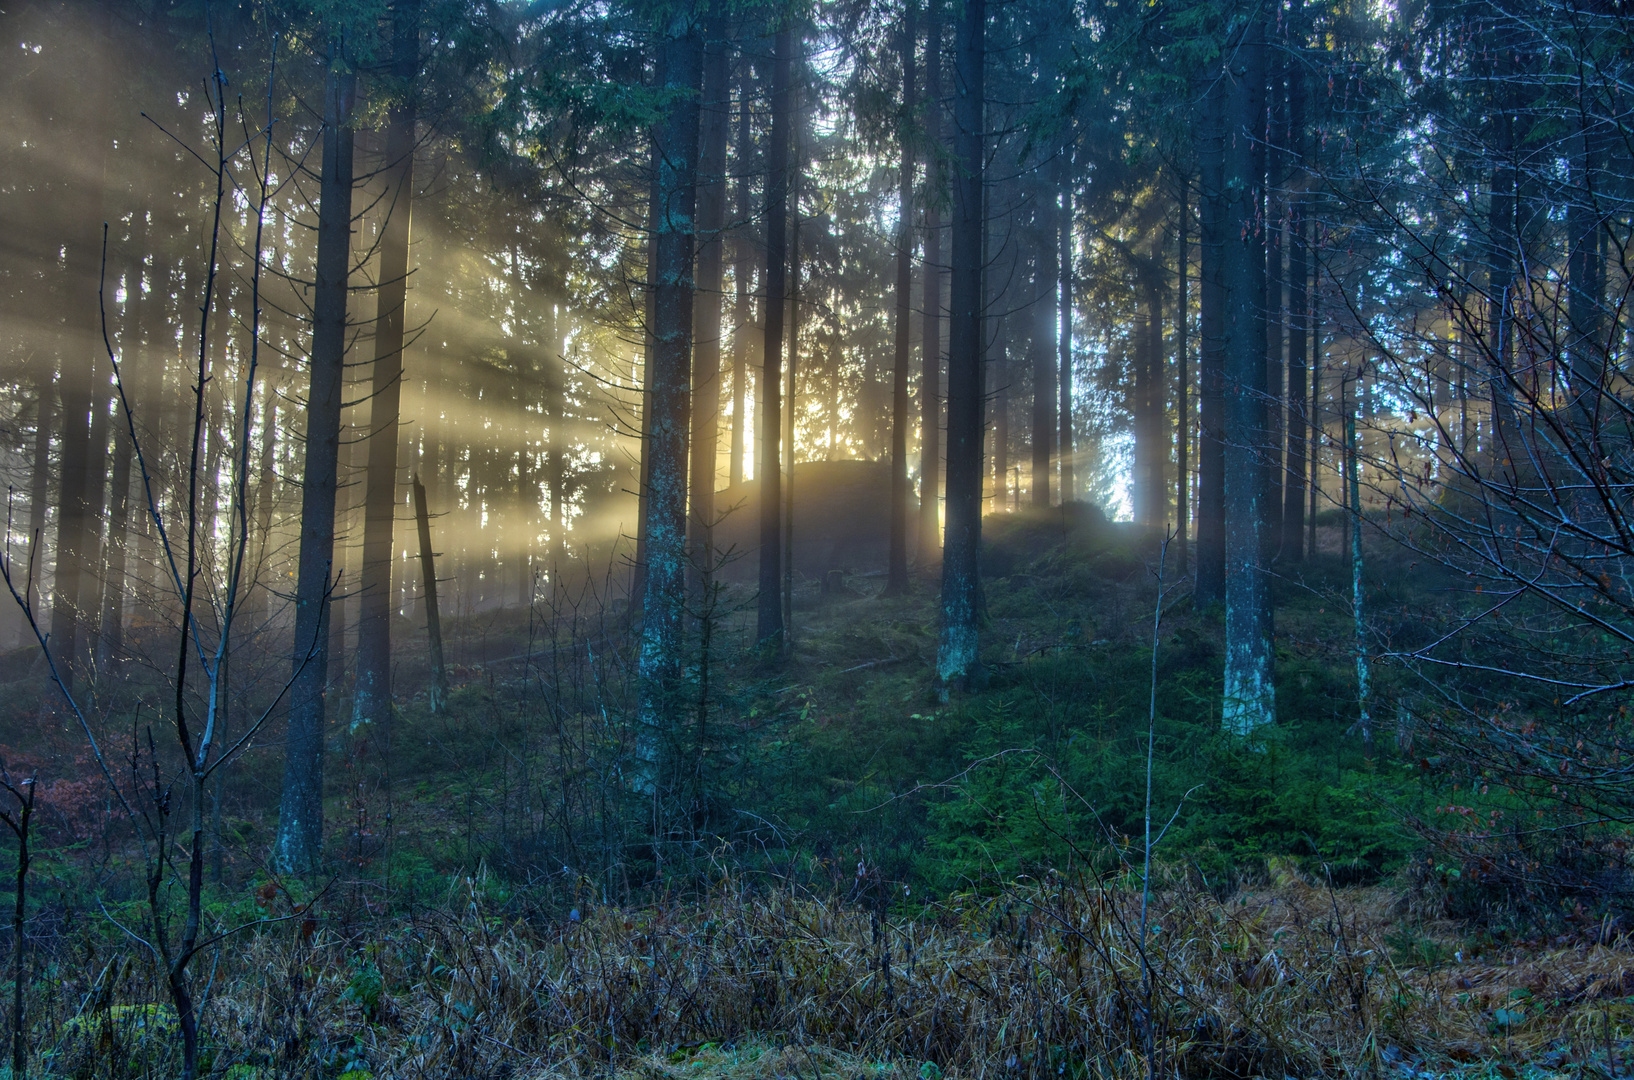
x,y
1040,981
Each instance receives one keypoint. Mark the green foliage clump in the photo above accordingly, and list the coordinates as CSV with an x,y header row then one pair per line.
x,y
117,1041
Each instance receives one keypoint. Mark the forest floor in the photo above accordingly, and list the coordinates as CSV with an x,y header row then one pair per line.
x,y
876,885
1288,979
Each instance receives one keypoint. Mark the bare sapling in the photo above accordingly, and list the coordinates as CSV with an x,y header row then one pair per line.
x,y
1149,843
196,712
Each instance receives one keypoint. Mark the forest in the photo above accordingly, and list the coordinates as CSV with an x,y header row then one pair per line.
x,y
817,539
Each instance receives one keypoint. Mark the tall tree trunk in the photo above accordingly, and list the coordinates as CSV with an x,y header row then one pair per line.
x,y
706,355
1066,450
998,391
1212,139
1271,145
1249,701
669,379
1043,345
896,578
930,344
1586,269
1182,381
792,384
1293,505
300,812
742,279
957,659
769,624
638,576
342,575
1151,434
371,694
1500,298
1313,447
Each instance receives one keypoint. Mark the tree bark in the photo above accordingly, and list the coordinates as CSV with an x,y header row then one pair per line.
x,y
669,378
1210,579
1182,381
1249,701
769,624
792,372
638,575
1293,505
716,114
998,391
299,842
930,345
1151,442
957,661
437,695
371,695
896,578
1313,446
1046,273
1500,293
1065,448
742,279
1586,273
1270,148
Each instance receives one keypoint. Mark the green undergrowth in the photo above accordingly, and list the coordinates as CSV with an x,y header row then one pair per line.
x,y
837,763
1044,768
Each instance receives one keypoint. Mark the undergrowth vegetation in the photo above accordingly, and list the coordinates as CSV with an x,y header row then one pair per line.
x,y
1039,980
842,878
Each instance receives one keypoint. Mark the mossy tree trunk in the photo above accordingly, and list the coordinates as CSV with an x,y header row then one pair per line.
x,y
958,662
1249,701
669,377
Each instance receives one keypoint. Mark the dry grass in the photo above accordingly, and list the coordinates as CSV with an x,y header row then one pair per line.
x,y
1289,980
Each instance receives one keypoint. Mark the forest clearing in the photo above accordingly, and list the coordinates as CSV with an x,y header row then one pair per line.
x,y
833,540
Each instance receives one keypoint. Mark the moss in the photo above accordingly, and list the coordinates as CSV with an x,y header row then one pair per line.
x,y
116,1041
